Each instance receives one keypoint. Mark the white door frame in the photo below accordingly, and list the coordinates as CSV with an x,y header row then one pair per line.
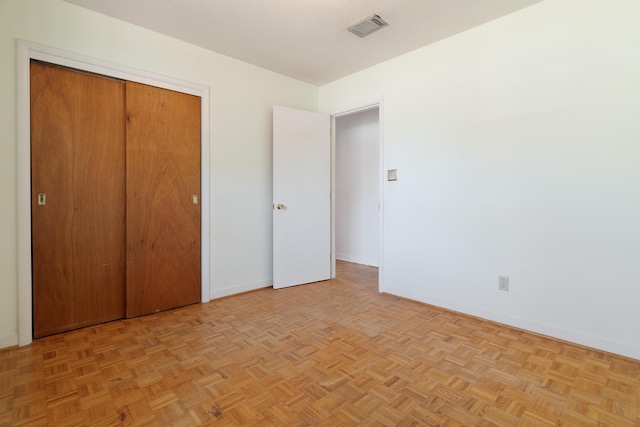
x,y
352,109
27,51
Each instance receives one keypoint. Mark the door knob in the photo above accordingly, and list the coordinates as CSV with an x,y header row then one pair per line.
x,y
280,206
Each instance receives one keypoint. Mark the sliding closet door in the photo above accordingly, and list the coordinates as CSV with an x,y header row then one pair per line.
x,y
78,198
163,199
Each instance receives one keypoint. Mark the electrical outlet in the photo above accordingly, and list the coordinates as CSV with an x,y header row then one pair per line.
x,y
503,283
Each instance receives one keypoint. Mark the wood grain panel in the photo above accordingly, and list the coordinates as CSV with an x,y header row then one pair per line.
x,y
77,160
163,175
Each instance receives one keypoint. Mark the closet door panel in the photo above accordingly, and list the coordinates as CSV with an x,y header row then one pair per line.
x,y
163,199
78,199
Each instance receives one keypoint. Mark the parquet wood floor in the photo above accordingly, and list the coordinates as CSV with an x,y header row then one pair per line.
x,y
333,353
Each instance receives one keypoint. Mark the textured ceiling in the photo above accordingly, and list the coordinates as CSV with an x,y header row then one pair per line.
x,y
306,39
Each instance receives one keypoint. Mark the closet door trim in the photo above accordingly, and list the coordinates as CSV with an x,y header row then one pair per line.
x,y
26,51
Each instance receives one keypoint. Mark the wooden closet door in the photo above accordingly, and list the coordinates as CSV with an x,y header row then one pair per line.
x,y
77,164
163,192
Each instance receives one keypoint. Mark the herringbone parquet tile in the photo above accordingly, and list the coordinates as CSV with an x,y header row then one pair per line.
x,y
331,353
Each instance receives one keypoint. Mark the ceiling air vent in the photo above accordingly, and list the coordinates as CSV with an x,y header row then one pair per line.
x,y
368,26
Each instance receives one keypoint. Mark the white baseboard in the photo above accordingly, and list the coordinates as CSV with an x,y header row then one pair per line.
x,y
357,259
8,340
238,289
599,343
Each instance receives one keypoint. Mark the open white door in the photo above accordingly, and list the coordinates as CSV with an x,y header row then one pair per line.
x,y
301,197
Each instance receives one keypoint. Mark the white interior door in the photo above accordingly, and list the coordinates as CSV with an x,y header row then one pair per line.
x,y
301,197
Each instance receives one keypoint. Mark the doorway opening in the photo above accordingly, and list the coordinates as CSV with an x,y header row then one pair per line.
x,y
357,188
304,224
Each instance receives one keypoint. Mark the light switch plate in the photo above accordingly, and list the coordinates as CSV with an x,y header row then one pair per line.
x,y
392,175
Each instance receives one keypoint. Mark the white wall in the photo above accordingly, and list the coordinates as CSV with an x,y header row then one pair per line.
x,y
356,187
241,95
517,145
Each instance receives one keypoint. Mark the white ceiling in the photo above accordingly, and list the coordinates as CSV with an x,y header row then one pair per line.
x,y
306,39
